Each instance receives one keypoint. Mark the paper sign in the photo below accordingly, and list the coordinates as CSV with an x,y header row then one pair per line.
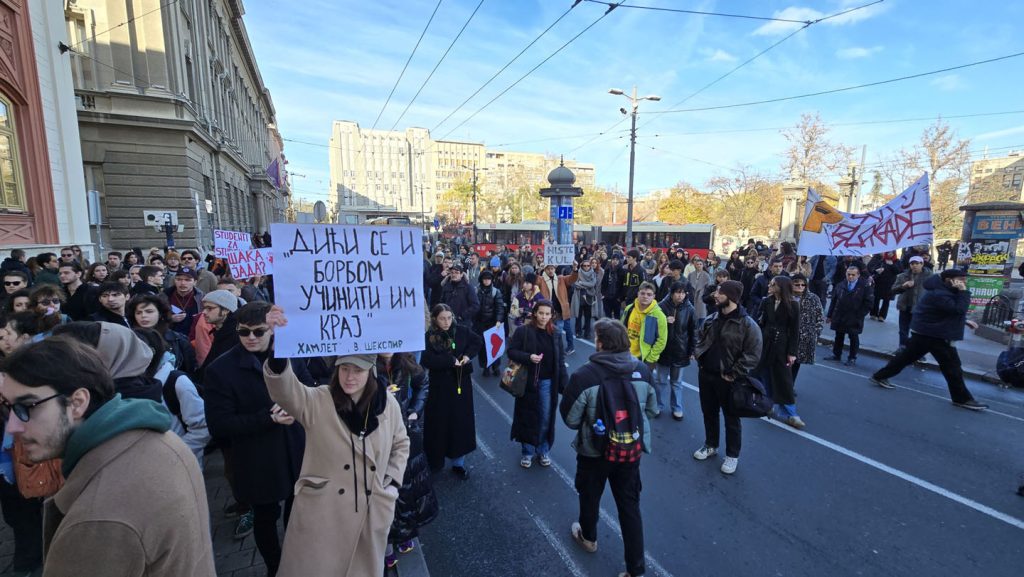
x,y
494,342
559,254
348,289
249,263
228,241
983,289
988,257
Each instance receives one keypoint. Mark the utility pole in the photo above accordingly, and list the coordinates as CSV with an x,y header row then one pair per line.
x,y
634,104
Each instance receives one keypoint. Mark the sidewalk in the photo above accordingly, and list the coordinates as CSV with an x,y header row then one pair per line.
x,y
977,354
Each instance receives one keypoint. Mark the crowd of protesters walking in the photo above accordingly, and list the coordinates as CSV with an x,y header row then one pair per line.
x,y
155,361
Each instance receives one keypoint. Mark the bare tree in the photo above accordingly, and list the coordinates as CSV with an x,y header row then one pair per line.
x,y
811,155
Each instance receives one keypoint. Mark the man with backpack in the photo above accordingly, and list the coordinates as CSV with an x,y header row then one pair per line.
x,y
609,403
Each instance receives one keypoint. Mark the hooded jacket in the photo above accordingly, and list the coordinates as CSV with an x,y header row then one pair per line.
x,y
134,502
127,358
942,310
579,401
346,492
648,331
492,305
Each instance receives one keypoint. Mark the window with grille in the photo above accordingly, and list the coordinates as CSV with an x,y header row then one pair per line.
x,y
12,193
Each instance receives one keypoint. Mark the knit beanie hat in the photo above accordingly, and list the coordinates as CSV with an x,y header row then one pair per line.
x,y
732,290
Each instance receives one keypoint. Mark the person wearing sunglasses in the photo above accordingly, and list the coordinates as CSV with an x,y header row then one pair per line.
x,y
14,281
266,445
218,315
47,300
124,469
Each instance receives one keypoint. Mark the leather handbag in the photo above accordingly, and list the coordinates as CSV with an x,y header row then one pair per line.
x,y
749,399
36,479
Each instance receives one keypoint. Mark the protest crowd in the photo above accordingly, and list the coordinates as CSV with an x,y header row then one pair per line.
x,y
119,378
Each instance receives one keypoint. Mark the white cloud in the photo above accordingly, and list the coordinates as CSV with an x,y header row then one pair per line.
x,y
948,82
1000,133
810,14
718,55
855,52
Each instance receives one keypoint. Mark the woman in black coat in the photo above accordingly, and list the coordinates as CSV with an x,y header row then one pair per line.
x,y
883,269
449,427
539,346
417,503
851,302
780,334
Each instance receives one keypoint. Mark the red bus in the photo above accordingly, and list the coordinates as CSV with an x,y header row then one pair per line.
x,y
694,238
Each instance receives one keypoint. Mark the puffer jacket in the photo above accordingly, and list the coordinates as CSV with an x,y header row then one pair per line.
x,y
942,311
739,342
681,333
492,305
461,297
579,401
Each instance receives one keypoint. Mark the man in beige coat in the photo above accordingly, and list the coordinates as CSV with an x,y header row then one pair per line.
x,y
352,468
134,502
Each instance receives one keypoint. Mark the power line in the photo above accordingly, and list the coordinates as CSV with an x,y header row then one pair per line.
x,y
436,66
699,12
517,143
126,22
845,88
414,48
529,72
65,48
507,64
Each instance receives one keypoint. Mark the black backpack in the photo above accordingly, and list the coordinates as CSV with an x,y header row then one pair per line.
x,y
618,409
171,395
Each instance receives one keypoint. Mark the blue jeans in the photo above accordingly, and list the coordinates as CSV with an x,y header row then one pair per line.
x,y
544,392
569,334
785,411
666,377
458,461
905,318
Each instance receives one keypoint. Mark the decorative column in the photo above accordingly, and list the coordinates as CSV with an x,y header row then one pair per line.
x,y
793,191
561,192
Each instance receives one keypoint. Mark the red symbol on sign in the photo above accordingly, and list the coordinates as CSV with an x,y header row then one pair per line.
x,y
496,342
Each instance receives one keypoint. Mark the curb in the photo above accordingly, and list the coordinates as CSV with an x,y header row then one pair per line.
x,y
988,376
411,564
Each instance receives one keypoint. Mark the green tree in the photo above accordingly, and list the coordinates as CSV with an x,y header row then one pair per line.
x,y
456,203
687,205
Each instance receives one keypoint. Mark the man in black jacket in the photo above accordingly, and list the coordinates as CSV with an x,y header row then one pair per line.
x,y
457,293
728,348
219,309
682,324
82,300
610,287
939,320
632,276
112,298
490,314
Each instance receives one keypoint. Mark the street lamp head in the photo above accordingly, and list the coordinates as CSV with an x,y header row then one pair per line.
x,y
623,111
616,92
652,97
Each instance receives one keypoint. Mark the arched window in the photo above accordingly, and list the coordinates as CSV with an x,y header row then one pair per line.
x,y
12,193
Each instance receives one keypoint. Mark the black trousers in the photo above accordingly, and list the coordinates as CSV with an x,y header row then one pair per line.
x,y
612,308
945,354
583,321
264,532
624,478
880,307
714,400
482,355
837,345
25,518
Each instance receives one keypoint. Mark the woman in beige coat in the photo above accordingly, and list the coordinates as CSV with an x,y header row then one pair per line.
x,y
356,450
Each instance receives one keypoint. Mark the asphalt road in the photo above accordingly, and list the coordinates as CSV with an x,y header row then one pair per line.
x,y
882,482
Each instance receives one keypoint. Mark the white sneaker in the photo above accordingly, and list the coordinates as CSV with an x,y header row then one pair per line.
x,y
729,465
703,453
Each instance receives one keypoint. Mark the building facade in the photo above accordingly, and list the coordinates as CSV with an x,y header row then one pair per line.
x,y
995,179
378,173
174,116
42,193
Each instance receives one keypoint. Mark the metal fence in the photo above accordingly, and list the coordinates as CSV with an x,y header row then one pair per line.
x,y
998,311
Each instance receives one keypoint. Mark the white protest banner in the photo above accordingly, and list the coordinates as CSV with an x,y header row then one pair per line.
x,y
249,263
559,254
348,289
494,343
904,221
228,241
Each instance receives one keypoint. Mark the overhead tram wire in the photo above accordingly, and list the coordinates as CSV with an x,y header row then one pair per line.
x,y
805,26
126,22
529,72
699,12
507,64
845,88
402,73
436,66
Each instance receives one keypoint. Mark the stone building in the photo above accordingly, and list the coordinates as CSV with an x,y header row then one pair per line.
x,y
173,115
42,193
995,179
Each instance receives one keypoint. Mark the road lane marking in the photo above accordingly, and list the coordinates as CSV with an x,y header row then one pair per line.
x,y
561,472
928,486
480,444
557,545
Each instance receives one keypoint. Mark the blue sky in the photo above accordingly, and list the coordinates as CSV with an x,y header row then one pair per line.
x,y
338,59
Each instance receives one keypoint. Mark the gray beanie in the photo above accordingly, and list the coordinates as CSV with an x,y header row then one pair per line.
x,y
222,298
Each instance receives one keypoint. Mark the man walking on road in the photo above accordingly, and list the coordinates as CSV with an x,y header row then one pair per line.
x,y
605,377
939,319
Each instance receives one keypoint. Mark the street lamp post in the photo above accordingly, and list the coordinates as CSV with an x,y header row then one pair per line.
x,y
634,104
474,197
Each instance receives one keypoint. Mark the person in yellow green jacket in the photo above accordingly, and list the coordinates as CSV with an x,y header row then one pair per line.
x,y
646,326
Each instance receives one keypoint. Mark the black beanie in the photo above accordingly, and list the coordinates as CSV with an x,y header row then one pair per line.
x,y
732,290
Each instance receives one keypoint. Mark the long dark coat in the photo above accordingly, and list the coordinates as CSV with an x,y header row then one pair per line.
x,y
780,335
449,426
526,418
848,309
266,457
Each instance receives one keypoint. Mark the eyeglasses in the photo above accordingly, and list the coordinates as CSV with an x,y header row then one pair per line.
x,y
23,410
50,301
258,333
799,284
67,254
12,283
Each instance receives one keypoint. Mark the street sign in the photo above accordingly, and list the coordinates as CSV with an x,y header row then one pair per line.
x,y
160,217
437,223
1001,225
565,212
320,211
